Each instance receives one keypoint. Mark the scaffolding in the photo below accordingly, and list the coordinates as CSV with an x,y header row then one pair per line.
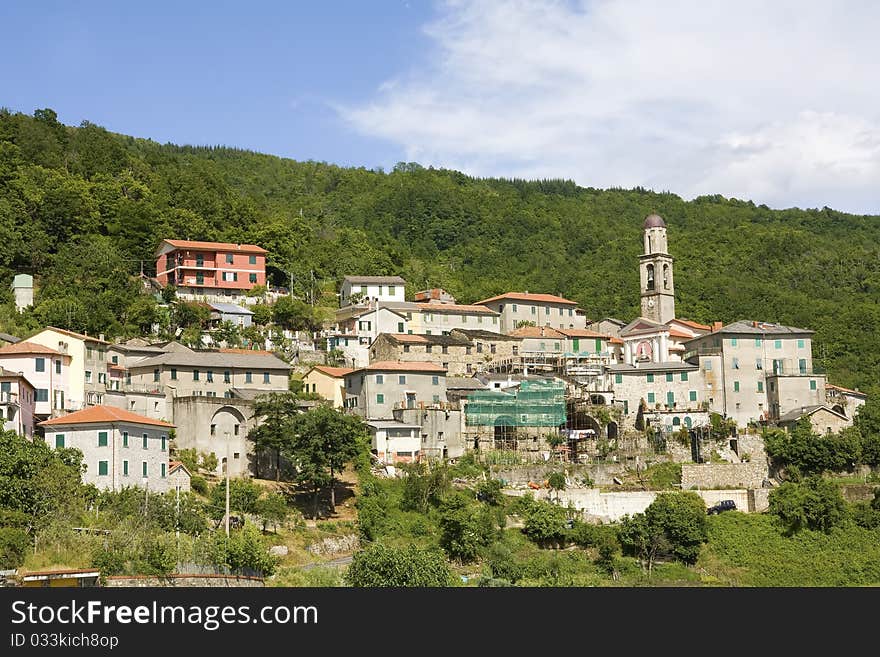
x,y
534,404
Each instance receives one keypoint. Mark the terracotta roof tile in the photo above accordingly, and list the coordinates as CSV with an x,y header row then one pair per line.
x,y
333,371
28,348
80,336
402,366
455,308
102,415
215,246
526,296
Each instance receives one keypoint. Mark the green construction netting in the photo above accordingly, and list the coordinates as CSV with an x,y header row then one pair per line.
x,y
535,404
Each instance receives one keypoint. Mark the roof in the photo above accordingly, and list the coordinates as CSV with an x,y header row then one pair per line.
x,y
391,424
480,334
102,415
536,332
240,350
230,308
6,337
85,572
857,393
804,411
614,340
526,296
584,333
214,246
218,359
691,323
25,347
402,366
654,221
463,383
351,312
366,280
22,280
624,368
456,308
762,328
413,338
337,372
174,465
9,374
78,336
674,332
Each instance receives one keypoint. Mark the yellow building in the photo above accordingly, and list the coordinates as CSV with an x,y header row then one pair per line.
x,y
329,382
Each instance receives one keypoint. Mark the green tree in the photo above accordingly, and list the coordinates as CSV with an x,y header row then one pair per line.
x,y
379,565
272,508
424,485
814,504
275,412
464,528
545,523
673,524
243,549
243,496
556,481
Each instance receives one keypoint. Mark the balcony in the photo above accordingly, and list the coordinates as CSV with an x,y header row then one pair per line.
x,y
9,398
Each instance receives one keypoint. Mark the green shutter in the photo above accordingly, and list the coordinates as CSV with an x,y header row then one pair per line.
x,y
651,398
144,469
684,376
125,468
618,378
102,439
650,378
102,468
669,376
670,398
125,438
692,395
59,440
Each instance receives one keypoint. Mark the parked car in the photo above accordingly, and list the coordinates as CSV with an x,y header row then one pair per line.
x,y
723,505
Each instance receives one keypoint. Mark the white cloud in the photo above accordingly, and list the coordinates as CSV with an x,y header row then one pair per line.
x,y
776,102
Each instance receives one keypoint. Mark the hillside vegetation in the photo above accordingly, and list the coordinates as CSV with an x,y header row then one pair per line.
x,y
82,209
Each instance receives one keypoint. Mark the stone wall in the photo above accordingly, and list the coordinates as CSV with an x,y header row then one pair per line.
x,y
723,475
215,581
600,474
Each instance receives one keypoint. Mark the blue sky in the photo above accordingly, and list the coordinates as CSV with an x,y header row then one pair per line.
x,y
257,75
774,102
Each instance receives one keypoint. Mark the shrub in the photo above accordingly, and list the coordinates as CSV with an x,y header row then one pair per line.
x,y
199,484
489,491
464,529
383,566
545,524
14,544
814,504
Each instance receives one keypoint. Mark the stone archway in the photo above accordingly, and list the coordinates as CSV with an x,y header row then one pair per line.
x,y
505,432
229,437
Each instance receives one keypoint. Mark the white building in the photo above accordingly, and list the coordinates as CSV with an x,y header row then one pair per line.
x,y
17,402
23,291
373,288
395,442
46,369
119,448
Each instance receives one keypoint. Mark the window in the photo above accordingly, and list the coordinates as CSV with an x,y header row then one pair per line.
x,y
164,443
800,343
88,376
556,346
155,375
561,312
467,351
547,310
214,433
670,398
162,471
406,348
363,289
380,398
173,374
650,378
144,468
235,430
735,364
708,366
102,377
479,347
248,377
436,398
400,327
732,342
812,384
125,468
144,439
229,258
200,278
651,398
435,380
778,344
736,386
445,349
760,386
125,438
669,377
429,348
692,395
102,439
514,307
390,290
58,366
102,468
618,378
772,386
195,375
380,379
802,365
265,377
759,364
445,366
252,260
469,368
42,394
625,407
684,376
534,309
227,377
401,379
570,312
252,278
59,440
41,365
209,376
515,350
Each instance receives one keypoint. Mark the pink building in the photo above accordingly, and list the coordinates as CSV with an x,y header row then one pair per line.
x,y
17,400
45,369
206,269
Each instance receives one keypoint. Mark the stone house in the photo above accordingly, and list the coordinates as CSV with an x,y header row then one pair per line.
x,y
518,308
374,391
823,419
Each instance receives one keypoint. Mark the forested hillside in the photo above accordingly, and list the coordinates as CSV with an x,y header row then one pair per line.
x,y
83,209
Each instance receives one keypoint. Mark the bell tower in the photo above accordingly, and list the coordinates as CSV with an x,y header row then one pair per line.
x,y
655,271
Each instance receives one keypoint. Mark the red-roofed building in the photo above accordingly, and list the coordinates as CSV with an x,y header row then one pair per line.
x,y
46,369
517,309
374,391
214,270
120,448
328,382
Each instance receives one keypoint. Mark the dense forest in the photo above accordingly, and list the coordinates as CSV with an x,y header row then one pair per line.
x,y
83,210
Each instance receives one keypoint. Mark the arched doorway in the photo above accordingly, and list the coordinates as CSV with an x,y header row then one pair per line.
x,y
676,421
612,430
687,422
229,438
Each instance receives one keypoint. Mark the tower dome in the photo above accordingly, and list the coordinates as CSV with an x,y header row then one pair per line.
x,y
654,221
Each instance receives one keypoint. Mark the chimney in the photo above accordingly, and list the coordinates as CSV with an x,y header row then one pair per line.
x,y
100,336
716,326
755,324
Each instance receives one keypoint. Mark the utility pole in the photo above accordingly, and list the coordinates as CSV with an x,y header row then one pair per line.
x,y
226,433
